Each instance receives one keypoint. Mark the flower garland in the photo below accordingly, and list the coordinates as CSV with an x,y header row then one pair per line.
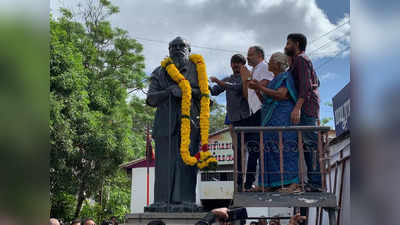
x,y
202,159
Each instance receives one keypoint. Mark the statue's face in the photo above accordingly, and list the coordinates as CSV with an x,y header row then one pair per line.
x,y
179,49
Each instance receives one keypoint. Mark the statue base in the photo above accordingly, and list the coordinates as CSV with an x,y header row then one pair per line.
x,y
165,207
185,218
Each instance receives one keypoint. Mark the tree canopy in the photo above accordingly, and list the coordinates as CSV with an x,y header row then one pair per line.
x,y
93,128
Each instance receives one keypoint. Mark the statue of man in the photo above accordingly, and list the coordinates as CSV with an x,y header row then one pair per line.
x,y
175,182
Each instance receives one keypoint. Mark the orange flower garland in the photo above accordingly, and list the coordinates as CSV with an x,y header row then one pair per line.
x,y
202,159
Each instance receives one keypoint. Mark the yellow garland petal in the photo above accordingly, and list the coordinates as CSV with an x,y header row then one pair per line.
x,y
165,61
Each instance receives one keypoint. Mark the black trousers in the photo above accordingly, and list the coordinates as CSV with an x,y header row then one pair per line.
x,y
251,145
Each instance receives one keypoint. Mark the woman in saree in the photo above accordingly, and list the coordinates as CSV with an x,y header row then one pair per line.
x,y
279,98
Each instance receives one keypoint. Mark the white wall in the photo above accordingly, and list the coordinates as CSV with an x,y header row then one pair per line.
x,y
198,201
138,189
139,186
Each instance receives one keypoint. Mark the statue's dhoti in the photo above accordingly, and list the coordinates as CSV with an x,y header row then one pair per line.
x,y
175,182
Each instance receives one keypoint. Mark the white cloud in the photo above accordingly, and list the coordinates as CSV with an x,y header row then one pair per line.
x,y
334,43
261,6
188,2
328,76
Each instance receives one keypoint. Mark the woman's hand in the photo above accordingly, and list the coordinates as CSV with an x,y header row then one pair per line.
x,y
295,115
254,84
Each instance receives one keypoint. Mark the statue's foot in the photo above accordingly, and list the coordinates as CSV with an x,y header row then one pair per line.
x,y
157,207
191,207
173,207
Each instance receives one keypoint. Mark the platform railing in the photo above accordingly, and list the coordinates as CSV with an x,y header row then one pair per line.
x,y
320,154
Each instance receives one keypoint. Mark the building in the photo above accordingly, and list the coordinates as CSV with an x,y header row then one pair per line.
x,y
142,189
339,175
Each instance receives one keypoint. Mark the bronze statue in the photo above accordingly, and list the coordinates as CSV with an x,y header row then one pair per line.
x,y
175,182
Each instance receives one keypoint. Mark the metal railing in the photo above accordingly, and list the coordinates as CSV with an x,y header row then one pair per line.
x,y
321,151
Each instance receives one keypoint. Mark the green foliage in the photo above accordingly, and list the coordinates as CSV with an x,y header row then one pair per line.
x,y
326,120
142,118
217,117
113,200
63,204
92,65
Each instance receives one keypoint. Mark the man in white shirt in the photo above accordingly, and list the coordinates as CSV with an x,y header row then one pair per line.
x,y
260,72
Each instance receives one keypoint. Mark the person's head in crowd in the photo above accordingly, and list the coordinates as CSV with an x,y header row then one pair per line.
x,y
255,55
89,221
278,63
114,220
237,61
76,222
224,222
297,219
275,221
156,222
54,221
296,43
253,223
106,222
262,221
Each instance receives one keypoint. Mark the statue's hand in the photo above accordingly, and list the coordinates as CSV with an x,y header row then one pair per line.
x,y
175,90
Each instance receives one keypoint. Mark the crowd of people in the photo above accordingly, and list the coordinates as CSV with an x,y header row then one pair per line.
x,y
280,92
87,221
221,216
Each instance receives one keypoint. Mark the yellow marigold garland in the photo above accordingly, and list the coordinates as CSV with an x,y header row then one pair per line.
x,y
203,159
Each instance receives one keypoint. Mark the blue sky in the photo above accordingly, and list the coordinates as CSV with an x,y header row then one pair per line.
x,y
338,68
335,9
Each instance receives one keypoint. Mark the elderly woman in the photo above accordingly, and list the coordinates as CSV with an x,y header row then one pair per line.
x,y
279,98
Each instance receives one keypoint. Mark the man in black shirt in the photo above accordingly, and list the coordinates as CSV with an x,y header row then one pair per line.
x,y
238,113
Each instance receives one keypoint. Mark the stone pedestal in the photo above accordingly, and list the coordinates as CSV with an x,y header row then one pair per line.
x,y
183,218
163,207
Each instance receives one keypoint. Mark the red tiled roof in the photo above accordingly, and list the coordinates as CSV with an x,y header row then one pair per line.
x,y
138,163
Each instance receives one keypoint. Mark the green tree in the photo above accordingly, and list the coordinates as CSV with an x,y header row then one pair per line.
x,y
142,118
92,65
112,200
217,117
326,120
